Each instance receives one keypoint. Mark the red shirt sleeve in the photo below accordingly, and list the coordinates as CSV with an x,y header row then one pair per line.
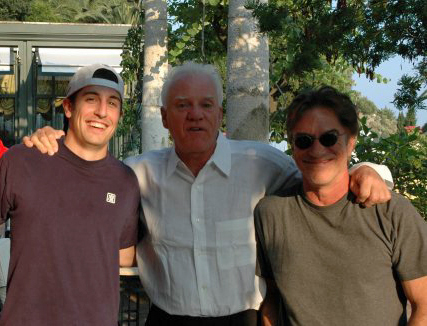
x,y
3,148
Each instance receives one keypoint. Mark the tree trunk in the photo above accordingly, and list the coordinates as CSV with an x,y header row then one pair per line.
x,y
247,76
153,135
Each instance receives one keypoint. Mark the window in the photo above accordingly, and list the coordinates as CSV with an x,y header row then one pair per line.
x,y
55,67
8,96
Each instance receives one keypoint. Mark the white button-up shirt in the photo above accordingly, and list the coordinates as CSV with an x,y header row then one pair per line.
x,y
200,253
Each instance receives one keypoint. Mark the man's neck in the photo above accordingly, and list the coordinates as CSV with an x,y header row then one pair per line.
x,y
327,195
87,153
195,163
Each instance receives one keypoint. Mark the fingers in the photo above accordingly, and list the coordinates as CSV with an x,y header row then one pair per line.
x,y
378,196
45,140
369,187
52,136
364,192
27,142
39,139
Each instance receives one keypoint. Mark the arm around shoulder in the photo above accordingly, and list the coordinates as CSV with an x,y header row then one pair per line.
x,y
367,183
45,140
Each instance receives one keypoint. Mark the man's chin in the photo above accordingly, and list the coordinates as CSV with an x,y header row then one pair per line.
x,y
318,181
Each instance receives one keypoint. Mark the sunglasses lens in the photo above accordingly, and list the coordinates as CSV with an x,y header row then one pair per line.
x,y
328,139
303,141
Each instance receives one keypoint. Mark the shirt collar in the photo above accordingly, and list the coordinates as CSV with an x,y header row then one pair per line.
x,y
221,157
172,162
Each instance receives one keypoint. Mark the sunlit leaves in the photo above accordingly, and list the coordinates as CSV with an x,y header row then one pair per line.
x,y
405,154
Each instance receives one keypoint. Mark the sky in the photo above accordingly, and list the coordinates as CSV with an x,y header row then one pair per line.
x,y
383,94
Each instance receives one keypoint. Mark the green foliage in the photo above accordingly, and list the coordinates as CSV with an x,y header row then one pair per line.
x,y
129,127
194,36
411,118
361,33
381,121
70,11
407,98
283,91
106,11
364,105
405,154
43,11
364,33
14,10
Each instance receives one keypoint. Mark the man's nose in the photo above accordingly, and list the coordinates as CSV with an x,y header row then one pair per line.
x,y
317,149
195,112
101,110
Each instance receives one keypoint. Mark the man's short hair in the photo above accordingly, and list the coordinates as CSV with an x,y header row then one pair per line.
x,y
193,69
326,97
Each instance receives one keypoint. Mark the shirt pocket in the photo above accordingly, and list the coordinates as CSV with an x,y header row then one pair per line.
x,y
235,240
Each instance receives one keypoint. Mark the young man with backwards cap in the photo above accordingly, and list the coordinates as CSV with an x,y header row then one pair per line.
x,y
64,267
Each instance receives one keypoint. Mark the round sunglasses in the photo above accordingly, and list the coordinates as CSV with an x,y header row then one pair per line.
x,y
327,139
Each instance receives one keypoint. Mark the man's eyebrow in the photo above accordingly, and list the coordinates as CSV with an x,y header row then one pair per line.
x,y
98,94
304,133
90,93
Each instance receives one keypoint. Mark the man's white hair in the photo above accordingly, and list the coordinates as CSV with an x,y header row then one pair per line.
x,y
191,68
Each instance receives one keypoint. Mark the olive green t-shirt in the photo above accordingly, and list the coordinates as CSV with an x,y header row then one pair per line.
x,y
341,264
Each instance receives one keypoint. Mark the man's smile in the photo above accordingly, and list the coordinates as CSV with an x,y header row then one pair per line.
x,y
97,124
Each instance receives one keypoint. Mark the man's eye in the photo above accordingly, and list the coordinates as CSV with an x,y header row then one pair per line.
x,y
113,104
182,105
207,105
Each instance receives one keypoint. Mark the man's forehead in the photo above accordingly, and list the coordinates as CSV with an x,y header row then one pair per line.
x,y
98,90
204,97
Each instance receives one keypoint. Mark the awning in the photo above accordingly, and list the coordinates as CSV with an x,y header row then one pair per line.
x,y
63,61
5,60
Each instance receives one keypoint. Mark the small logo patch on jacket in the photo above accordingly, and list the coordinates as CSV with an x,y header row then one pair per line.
x,y
111,198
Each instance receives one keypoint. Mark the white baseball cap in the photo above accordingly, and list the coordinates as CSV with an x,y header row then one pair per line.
x,y
97,75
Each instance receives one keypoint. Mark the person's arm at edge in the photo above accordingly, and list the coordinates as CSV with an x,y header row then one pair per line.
x,y
269,307
383,171
416,292
127,257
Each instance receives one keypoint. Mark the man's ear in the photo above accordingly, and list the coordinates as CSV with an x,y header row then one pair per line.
x,y
351,145
66,104
163,112
221,112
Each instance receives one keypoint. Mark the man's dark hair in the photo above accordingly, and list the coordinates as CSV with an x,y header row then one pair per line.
x,y
72,99
326,97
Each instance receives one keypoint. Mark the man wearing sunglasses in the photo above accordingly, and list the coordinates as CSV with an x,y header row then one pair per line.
x,y
327,260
